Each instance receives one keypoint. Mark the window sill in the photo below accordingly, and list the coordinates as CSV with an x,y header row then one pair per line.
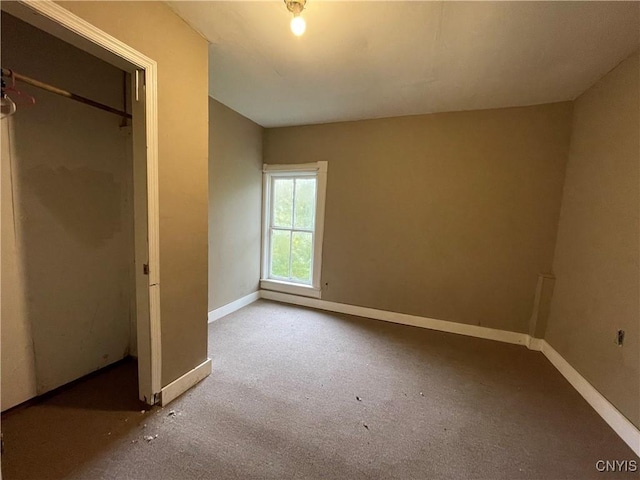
x,y
292,288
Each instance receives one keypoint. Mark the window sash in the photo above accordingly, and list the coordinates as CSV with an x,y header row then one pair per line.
x,y
290,278
291,176
272,189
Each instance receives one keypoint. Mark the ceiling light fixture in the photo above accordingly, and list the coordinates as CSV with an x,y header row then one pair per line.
x,y
298,25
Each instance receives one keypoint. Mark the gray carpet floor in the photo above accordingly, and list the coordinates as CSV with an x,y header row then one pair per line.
x,y
298,393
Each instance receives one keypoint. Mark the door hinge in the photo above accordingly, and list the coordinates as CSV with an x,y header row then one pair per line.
x,y
145,269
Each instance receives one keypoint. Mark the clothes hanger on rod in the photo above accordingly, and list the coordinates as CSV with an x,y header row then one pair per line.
x,y
28,99
7,106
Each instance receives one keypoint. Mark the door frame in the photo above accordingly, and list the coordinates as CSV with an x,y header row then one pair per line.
x,y
60,22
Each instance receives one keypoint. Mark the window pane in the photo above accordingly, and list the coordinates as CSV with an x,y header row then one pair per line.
x,y
305,202
280,244
282,202
301,252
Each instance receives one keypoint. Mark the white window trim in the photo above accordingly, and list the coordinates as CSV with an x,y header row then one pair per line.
x,y
319,169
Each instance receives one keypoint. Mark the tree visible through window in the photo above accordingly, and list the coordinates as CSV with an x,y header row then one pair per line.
x,y
293,207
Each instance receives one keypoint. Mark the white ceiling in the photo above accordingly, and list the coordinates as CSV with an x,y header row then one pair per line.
x,y
380,59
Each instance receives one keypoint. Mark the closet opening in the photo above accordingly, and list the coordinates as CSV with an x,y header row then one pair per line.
x,y
79,212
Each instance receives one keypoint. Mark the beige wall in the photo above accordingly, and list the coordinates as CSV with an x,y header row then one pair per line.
x,y
450,216
597,260
153,29
67,253
235,198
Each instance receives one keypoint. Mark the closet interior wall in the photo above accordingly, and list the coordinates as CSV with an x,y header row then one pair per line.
x,y
68,305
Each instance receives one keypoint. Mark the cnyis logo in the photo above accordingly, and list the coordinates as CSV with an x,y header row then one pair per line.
x,y
617,466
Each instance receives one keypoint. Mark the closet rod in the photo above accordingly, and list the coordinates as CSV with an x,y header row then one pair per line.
x,y
58,91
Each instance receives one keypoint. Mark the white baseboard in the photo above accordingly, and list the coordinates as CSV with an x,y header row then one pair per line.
x,y
626,430
535,344
185,382
403,318
233,306
616,420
